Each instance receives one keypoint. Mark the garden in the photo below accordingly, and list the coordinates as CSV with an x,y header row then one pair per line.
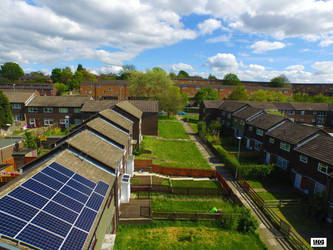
x,y
171,129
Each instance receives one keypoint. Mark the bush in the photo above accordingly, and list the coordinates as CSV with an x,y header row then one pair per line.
x,y
229,160
229,221
247,223
258,171
202,128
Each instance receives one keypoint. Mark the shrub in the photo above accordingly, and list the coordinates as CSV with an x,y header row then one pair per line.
x,y
202,128
229,221
247,223
229,160
257,171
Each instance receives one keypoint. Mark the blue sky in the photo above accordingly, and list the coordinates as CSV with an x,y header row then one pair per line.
x,y
255,39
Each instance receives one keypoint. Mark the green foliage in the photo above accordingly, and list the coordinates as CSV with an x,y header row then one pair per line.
x,y
279,82
183,74
215,127
66,75
171,100
268,96
29,140
274,112
300,97
6,116
239,94
247,223
206,94
212,77
255,171
79,67
150,83
11,71
61,88
56,75
172,75
229,160
231,79
202,127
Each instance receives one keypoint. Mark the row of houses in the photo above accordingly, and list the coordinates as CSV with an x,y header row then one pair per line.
x,y
65,111
304,152
70,197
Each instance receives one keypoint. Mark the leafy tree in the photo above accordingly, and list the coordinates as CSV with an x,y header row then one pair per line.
x,y
279,81
11,71
183,74
6,116
171,100
29,140
66,75
259,96
172,75
127,71
56,75
268,96
206,94
61,88
79,67
149,83
212,77
231,79
128,67
239,94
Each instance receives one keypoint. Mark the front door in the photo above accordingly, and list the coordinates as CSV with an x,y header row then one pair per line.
x,y
298,180
268,158
247,143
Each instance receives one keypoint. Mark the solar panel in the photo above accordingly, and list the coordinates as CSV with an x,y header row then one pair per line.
x,y
86,219
39,188
17,208
74,194
102,188
75,239
40,238
48,181
54,209
54,174
95,201
9,225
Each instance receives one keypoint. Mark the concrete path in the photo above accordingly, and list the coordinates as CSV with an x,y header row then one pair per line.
x,y
172,178
268,234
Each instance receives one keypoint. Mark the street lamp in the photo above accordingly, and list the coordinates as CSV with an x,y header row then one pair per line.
x,y
239,141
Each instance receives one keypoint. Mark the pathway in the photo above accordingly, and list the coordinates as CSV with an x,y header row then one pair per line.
x,y
268,234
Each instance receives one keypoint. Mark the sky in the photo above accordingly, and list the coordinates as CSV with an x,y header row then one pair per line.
x,y
255,39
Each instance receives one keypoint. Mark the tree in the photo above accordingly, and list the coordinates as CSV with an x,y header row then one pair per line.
x,y
29,140
172,75
239,94
212,77
127,71
11,71
149,84
171,100
6,116
279,81
183,74
206,94
231,79
259,96
61,88
79,67
56,75
66,75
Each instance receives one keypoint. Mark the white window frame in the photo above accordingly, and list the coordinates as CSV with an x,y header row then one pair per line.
x,y
48,110
62,121
282,163
61,110
320,166
285,146
16,106
271,140
242,122
47,121
259,132
32,109
303,158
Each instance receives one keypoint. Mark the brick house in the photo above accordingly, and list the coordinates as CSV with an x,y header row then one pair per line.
x,y
61,110
209,111
310,113
227,109
42,88
242,116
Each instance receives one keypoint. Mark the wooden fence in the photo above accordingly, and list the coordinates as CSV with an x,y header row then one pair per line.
x,y
147,165
158,215
289,233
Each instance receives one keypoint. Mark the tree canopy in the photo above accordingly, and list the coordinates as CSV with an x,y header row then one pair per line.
x,y
212,77
279,81
206,94
231,79
149,83
11,71
183,74
56,75
239,94
6,116
300,97
171,100
268,96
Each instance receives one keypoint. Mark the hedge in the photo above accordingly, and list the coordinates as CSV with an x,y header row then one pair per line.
x,y
229,160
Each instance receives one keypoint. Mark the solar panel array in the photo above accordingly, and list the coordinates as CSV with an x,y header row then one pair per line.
x,y
54,209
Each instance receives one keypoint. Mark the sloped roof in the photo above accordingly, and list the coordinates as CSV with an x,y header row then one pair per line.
x,y
292,133
232,106
310,106
262,105
212,104
266,121
320,148
109,131
58,101
130,108
106,82
247,113
283,106
117,118
18,96
149,106
97,106
97,148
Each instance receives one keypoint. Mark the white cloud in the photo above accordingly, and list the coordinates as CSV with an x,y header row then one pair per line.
x,y
209,26
106,69
181,66
263,46
297,67
222,62
218,39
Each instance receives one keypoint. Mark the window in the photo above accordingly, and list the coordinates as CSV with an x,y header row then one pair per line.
x,y
90,92
291,112
48,110
303,158
33,109
229,116
302,112
62,121
16,106
242,122
319,188
63,110
110,89
313,120
257,145
285,146
282,163
250,128
314,112
77,110
48,121
259,132
223,113
271,140
77,121
17,118
322,168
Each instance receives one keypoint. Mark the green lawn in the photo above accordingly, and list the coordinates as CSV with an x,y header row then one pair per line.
x,y
194,126
171,129
168,205
165,117
181,154
196,184
279,195
183,235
